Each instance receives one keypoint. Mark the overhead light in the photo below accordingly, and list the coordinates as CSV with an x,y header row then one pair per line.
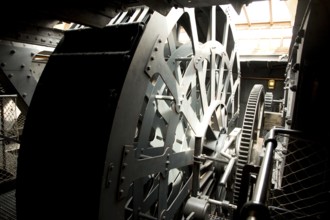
x,y
271,84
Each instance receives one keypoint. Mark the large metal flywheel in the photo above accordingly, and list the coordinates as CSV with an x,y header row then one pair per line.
x,y
134,121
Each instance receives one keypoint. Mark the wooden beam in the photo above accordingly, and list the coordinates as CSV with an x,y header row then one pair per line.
x,y
271,12
263,25
246,16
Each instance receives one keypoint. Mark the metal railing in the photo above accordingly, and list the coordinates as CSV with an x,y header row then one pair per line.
x,y
293,180
9,138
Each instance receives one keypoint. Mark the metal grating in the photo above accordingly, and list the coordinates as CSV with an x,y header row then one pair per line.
x,y
9,143
304,189
8,206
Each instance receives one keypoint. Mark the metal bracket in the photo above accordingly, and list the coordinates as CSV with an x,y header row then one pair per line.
x,y
16,68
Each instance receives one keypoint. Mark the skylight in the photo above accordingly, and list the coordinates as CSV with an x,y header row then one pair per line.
x,y
264,29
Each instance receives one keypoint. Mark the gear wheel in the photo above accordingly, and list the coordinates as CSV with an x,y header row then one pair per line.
x,y
251,129
268,100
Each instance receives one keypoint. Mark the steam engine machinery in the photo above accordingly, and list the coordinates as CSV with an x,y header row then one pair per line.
x,y
136,114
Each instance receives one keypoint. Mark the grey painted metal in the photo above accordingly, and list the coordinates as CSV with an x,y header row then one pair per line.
x,y
158,104
228,171
293,71
251,131
198,206
258,201
264,175
33,34
180,91
164,7
85,90
133,168
17,70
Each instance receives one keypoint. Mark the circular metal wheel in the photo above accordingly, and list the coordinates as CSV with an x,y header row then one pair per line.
x,y
249,151
268,101
147,123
